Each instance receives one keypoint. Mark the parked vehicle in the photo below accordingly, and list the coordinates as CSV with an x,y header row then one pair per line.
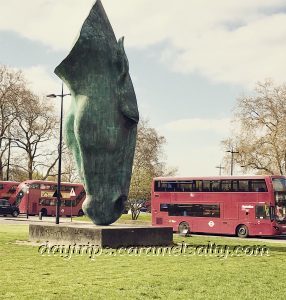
x,y
8,209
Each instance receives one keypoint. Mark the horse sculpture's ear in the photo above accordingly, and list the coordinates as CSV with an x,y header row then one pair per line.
x,y
122,60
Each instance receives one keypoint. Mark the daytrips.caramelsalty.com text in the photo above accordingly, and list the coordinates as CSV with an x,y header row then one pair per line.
x,y
182,249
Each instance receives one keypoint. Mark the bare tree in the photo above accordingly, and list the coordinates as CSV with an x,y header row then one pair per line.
x,y
69,172
148,163
260,135
35,133
12,86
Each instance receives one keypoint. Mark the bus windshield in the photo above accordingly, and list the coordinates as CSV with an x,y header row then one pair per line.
x,y
280,212
19,197
279,184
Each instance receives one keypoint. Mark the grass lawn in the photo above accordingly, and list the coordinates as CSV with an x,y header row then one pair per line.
x,y
25,274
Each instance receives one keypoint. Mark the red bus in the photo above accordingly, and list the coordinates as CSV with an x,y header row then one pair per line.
x,y
34,196
8,190
242,206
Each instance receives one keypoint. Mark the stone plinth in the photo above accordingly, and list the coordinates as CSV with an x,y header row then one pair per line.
x,y
104,236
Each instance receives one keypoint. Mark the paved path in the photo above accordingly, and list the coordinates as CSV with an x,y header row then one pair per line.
x,y
277,239
22,220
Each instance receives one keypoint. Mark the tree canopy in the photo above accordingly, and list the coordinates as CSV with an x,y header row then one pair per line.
x,y
148,163
28,128
259,133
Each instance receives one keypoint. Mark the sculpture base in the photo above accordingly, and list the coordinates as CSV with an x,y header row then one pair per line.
x,y
112,236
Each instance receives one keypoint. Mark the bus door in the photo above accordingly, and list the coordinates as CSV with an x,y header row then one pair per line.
x,y
246,212
34,208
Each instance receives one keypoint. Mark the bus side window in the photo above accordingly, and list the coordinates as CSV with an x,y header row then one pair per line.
x,y
262,212
243,186
12,189
226,185
185,187
234,186
164,187
171,186
198,186
164,207
53,202
215,184
160,186
211,211
206,186
64,188
34,186
258,185
192,210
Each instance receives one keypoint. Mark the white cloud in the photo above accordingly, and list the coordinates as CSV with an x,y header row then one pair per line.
x,y
193,145
41,81
197,125
224,40
196,161
54,23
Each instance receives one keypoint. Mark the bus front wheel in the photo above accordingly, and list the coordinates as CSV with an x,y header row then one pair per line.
x,y
184,228
242,231
15,213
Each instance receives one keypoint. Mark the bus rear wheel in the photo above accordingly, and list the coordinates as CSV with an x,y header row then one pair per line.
x,y
44,212
184,228
242,231
80,213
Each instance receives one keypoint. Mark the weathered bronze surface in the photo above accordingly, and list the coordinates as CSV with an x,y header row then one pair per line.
x,y
102,122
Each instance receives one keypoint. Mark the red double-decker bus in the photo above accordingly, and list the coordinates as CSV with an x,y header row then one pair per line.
x,y
242,206
35,196
8,190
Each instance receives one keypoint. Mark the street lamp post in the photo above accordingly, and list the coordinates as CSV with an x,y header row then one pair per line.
x,y
8,162
28,202
231,165
62,95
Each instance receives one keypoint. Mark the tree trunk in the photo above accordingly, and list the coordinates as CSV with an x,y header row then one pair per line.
x,y
135,213
1,170
30,168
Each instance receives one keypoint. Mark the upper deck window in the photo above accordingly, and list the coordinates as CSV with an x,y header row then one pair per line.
x,y
258,185
224,185
206,185
243,186
34,185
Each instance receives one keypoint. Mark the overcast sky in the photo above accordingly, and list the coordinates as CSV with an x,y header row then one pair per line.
x,y
189,60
